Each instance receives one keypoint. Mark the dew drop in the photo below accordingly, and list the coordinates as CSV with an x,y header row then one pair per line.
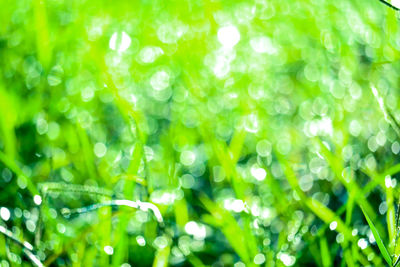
x,y
228,36
120,41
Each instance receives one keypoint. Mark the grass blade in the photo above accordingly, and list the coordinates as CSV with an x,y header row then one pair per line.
x,y
396,241
397,263
378,239
325,254
27,248
161,257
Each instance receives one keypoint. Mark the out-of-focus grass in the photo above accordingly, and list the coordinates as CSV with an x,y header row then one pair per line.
x,y
259,129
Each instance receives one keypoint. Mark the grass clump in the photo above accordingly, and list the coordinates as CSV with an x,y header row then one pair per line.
x,y
199,133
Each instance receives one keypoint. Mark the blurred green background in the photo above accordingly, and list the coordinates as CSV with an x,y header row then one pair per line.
x,y
258,129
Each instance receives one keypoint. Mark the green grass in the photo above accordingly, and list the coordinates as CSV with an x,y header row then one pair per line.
x,y
199,133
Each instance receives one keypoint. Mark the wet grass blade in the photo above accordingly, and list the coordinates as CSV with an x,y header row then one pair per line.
x,y
378,239
389,117
27,248
144,206
63,188
396,247
161,257
325,255
397,263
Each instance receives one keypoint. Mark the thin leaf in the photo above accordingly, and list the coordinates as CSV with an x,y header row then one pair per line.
x,y
378,239
396,242
161,257
144,206
397,263
27,248
325,255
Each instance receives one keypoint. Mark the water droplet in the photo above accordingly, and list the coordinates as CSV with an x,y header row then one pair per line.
x,y
187,158
388,181
160,80
196,229
140,240
306,182
264,148
228,36
170,33
262,45
340,238
396,147
160,242
30,225
109,250
149,54
55,76
286,259
100,149
42,126
258,173
355,91
7,175
87,93
5,213
219,174
251,123
166,197
120,41
22,182
333,225
187,181
236,205
61,228
148,151
362,243
37,199
259,259
383,207
221,68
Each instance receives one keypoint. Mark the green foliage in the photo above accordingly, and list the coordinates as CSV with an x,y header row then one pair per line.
x,y
199,133
378,239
